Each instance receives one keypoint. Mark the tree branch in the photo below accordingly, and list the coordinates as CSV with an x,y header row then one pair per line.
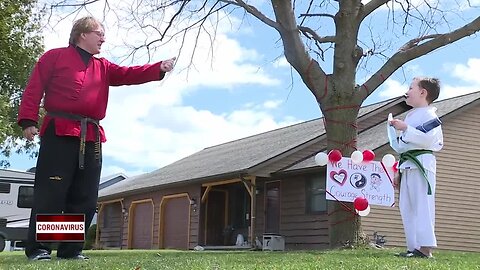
x,y
371,7
177,13
414,42
406,54
195,24
294,49
254,11
308,32
317,15
74,5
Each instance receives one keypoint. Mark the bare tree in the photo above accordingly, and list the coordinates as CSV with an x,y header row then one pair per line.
x,y
312,31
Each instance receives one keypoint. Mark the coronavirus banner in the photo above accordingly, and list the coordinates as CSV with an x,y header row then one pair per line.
x,y
60,228
347,180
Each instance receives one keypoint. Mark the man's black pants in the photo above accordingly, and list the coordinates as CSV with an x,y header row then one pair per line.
x,y
61,187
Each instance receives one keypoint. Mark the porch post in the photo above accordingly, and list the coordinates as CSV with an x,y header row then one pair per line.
x,y
97,230
253,202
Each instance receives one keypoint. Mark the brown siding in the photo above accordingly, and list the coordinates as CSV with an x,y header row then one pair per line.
x,y
457,225
457,211
301,230
110,222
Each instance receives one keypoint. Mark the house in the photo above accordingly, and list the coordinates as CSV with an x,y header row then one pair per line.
x,y
269,184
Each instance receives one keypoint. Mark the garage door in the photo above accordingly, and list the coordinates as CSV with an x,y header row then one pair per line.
x,y
142,226
176,212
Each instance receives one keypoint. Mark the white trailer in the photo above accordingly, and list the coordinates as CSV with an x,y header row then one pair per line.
x,y
16,200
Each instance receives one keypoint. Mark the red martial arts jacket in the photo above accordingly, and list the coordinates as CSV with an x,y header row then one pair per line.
x,y
70,86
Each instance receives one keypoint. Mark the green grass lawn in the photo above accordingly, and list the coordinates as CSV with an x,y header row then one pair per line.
x,y
365,259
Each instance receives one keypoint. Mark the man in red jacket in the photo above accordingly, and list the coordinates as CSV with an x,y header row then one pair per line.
x,y
74,85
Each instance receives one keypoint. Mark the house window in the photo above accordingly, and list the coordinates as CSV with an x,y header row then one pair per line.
x,y
315,195
25,197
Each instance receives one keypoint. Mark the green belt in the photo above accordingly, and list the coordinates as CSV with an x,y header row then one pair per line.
x,y
412,156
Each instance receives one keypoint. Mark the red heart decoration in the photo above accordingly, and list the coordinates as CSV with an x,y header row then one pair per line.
x,y
339,177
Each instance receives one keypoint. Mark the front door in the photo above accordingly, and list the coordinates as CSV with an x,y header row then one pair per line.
x,y
272,207
216,220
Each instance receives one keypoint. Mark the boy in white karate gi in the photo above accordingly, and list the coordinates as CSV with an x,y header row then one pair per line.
x,y
420,135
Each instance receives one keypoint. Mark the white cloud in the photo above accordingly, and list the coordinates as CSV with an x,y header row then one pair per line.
x,y
281,62
167,134
463,73
392,88
467,73
449,91
272,104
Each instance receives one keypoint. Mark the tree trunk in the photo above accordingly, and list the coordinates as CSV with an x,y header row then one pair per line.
x,y
340,109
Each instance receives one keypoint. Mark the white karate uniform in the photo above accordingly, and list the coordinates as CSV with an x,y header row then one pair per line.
x,y
417,208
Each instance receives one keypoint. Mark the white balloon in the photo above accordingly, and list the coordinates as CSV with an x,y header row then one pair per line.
x,y
321,159
388,160
364,212
357,157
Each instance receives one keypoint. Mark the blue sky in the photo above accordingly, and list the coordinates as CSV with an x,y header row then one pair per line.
x,y
245,89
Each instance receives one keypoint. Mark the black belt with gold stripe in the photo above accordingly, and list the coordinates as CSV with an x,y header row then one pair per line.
x,y
83,134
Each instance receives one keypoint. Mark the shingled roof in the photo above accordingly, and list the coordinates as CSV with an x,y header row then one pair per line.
x,y
241,157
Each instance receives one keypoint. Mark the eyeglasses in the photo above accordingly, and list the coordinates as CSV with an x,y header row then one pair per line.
x,y
100,34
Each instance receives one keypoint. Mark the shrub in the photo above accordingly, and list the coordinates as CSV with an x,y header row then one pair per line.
x,y
90,237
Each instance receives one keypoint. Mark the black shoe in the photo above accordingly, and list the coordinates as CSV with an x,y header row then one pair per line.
x,y
41,255
407,254
418,254
75,257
